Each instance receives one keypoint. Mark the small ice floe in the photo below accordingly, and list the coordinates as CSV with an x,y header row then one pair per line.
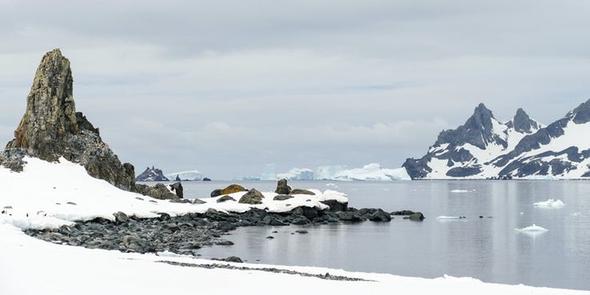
x,y
521,213
550,204
576,214
462,191
331,185
532,230
451,218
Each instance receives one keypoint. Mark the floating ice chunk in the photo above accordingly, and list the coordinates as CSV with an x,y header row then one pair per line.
x,y
461,191
532,229
331,185
576,214
451,218
550,204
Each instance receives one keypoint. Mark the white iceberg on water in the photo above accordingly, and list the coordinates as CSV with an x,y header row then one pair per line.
x,y
550,204
532,229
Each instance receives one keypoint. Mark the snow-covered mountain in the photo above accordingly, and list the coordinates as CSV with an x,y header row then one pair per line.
x,y
485,147
151,174
189,175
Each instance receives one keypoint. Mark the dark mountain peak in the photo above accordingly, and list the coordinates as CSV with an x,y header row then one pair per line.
x,y
477,130
523,123
581,114
151,174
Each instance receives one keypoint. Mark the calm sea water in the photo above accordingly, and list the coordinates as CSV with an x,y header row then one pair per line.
x,y
489,249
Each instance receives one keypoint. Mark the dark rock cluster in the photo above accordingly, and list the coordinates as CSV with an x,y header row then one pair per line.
x,y
153,174
187,233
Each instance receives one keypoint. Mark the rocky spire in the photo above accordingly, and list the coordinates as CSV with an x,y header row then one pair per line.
x,y
523,123
50,114
51,128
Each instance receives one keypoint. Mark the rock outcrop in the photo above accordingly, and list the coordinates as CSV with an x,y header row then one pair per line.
x,y
51,128
282,187
230,189
152,174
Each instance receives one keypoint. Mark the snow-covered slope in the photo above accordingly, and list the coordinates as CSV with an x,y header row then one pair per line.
x,y
189,175
485,147
49,194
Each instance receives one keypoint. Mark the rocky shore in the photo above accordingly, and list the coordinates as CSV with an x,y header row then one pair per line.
x,y
187,233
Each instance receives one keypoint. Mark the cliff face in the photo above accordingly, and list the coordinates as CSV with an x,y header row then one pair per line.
x,y
51,128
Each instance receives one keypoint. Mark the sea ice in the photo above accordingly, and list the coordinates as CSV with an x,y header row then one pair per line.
x,y
459,191
532,229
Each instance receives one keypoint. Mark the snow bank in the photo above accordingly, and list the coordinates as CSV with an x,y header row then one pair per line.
x,y
550,204
53,194
31,266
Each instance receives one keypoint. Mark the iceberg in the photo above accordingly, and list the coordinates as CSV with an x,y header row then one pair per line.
x,y
189,175
532,229
550,204
297,174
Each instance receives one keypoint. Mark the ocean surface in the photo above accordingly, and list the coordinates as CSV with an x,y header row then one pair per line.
x,y
486,248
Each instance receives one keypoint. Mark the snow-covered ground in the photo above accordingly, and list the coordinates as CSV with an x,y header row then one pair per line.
x,y
51,194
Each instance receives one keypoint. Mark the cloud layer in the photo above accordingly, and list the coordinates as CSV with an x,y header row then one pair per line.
x,y
228,87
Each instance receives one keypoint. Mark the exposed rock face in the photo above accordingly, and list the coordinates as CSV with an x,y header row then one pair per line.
x,y
158,191
177,189
282,187
151,174
51,128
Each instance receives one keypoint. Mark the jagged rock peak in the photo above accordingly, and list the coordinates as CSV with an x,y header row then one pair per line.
x,y
51,113
523,123
151,174
581,114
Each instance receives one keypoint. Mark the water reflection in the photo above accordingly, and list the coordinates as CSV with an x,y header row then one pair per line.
x,y
486,248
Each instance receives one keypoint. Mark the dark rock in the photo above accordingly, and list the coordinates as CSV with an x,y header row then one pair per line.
x,y
308,212
225,198
349,216
418,216
403,212
298,191
252,197
301,231
230,189
270,237
335,205
379,216
198,201
224,243
177,189
282,187
151,174
158,191
206,179
234,259
120,217
282,197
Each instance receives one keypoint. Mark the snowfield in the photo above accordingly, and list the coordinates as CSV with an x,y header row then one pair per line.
x,y
52,194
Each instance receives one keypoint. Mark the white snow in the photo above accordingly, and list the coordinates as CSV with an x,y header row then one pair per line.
x,y
185,175
31,266
550,204
52,194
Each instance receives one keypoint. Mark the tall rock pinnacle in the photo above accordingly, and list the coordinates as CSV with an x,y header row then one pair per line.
x,y
51,128
51,114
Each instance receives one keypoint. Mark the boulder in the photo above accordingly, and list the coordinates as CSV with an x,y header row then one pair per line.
x,y
379,216
350,216
230,189
177,189
418,216
158,191
282,187
335,205
252,197
120,217
299,191
282,197
225,198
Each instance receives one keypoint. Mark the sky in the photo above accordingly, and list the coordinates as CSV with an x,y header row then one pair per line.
x,y
233,87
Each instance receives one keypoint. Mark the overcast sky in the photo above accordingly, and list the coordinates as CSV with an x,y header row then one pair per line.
x,y
230,87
